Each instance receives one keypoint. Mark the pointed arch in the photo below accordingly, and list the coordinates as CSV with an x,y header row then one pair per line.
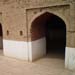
x,y
42,20
46,26
49,12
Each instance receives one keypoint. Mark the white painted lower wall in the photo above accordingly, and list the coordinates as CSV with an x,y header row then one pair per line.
x,y
70,58
25,50
34,50
16,49
37,49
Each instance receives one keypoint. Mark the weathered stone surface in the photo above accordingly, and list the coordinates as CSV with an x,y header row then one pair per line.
x,y
16,17
18,14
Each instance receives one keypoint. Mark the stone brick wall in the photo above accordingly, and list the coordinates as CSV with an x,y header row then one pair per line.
x,y
17,15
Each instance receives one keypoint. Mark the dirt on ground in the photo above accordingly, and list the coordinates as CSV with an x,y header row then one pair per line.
x,y
48,65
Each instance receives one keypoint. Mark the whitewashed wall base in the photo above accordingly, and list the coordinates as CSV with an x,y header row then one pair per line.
x,y
16,49
70,58
37,49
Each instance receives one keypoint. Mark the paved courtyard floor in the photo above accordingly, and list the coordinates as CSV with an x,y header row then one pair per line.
x,y
49,65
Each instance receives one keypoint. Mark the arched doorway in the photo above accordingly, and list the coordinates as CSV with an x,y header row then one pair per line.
x,y
53,29
1,39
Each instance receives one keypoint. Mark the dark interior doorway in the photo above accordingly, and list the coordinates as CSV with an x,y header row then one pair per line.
x,y
53,29
1,38
55,35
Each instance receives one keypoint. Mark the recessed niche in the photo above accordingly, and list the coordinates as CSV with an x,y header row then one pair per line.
x,y
21,33
40,10
0,13
7,32
35,12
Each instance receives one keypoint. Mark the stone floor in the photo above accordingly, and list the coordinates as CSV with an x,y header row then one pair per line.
x,y
49,65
